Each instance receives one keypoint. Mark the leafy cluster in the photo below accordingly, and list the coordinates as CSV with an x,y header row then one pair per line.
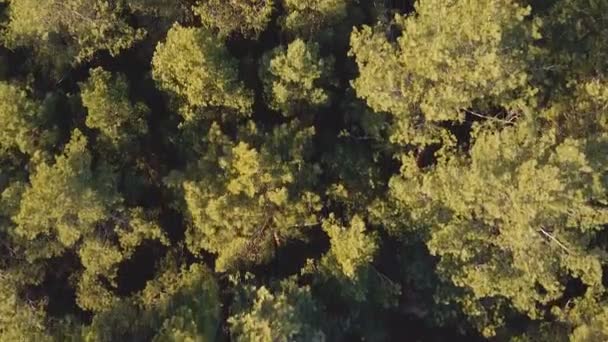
x,y
303,170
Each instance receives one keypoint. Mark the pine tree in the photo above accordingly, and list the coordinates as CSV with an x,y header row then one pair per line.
x,y
512,219
448,58
21,121
106,97
306,18
85,198
296,79
249,17
247,200
288,314
87,26
195,67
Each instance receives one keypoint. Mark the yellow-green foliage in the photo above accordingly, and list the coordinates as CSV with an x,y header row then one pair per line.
x,y
106,97
18,117
307,17
19,320
186,302
303,170
194,65
257,198
84,202
514,216
595,329
286,315
424,77
88,25
296,78
582,112
351,248
248,17
179,304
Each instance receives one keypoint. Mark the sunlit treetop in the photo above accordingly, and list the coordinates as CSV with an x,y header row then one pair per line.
x,y
249,17
193,65
306,18
352,248
88,25
19,115
423,77
253,198
70,181
287,314
296,78
514,218
106,97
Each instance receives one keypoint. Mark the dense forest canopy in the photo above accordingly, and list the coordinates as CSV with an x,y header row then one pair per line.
x,y
304,170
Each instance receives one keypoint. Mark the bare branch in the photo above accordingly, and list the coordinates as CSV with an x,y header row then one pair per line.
x,y
510,121
306,225
545,233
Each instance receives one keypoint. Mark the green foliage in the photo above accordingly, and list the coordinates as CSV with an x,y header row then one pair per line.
x,y
438,170
85,200
186,301
423,77
583,112
351,249
122,322
594,329
87,26
161,10
296,79
573,29
288,314
249,17
19,320
180,327
346,277
246,202
308,17
582,319
106,97
101,257
180,304
86,218
20,121
194,65
513,219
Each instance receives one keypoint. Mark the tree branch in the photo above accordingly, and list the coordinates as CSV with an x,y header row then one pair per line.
x,y
545,233
510,121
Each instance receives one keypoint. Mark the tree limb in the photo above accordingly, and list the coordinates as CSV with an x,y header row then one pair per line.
x,y
545,233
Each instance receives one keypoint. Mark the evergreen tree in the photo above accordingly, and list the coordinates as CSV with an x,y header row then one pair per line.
x,y
288,314
86,200
21,121
448,58
250,199
249,17
194,65
106,98
303,170
86,26
514,219
308,17
296,79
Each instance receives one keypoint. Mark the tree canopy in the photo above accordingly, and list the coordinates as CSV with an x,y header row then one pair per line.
x,y
248,18
303,170
194,65
83,27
